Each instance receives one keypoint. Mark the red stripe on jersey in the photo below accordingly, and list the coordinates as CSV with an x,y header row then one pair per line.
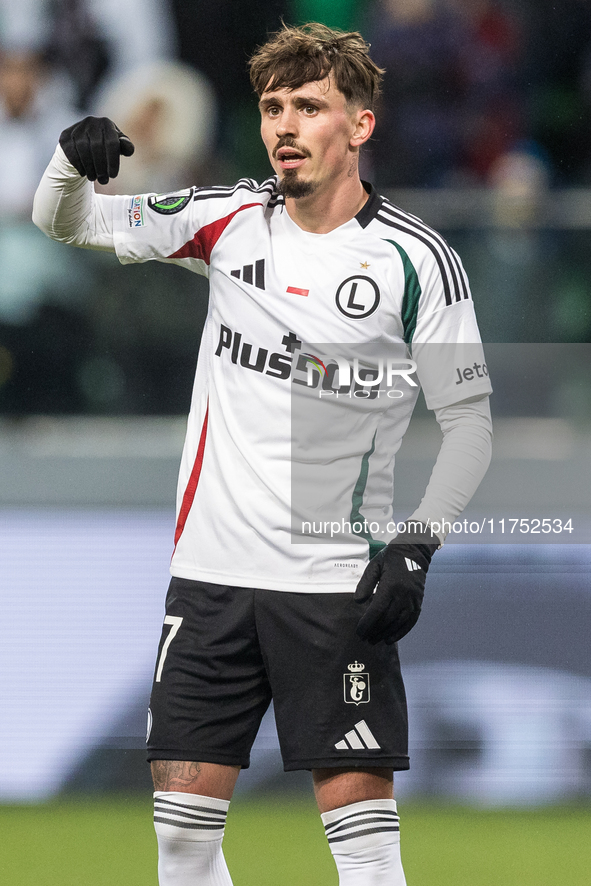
x,y
192,484
295,291
206,237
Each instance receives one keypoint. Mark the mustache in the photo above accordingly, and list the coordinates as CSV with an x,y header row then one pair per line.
x,y
286,141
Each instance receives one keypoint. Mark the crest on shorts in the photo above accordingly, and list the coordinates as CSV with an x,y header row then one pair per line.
x,y
356,684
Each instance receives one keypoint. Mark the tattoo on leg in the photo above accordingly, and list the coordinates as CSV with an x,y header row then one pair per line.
x,y
174,775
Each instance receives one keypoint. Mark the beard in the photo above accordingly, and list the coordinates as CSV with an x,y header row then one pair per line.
x,y
292,186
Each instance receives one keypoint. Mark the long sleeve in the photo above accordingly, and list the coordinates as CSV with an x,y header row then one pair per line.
x,y
462,462
67,209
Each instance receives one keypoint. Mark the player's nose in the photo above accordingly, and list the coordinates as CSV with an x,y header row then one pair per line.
x,y
286,124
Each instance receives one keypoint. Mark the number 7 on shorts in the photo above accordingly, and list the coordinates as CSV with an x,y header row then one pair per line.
x,y
175,621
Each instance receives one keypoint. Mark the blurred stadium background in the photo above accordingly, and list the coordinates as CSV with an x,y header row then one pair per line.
x,y
485,132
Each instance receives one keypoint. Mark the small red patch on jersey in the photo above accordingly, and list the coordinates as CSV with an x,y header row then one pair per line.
x,y
295,291
206,237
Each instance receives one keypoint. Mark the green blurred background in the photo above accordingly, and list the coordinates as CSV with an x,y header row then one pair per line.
x,y
484,132
273,842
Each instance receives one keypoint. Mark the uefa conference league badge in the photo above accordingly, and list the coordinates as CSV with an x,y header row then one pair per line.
x,y
356,684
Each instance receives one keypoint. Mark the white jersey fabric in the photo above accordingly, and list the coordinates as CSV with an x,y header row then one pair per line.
x,y
382,278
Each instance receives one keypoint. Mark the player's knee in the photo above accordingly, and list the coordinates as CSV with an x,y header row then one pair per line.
x,y
340,787
209,779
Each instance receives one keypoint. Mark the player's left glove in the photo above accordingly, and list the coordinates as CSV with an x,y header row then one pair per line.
x,y
94,147
399,571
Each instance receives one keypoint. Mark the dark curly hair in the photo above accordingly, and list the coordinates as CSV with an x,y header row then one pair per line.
x,y
297,55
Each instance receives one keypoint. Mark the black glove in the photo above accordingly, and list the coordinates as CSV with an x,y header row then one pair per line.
x,y
94,147
399,570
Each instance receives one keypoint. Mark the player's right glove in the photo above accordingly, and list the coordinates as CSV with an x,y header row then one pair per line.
x,y
399,571
93,146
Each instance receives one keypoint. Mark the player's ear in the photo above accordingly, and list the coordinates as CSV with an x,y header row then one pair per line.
x,y
365,122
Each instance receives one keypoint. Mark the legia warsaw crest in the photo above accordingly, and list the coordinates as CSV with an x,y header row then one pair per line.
x,y
356,684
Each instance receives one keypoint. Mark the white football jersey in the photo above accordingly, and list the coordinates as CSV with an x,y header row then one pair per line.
x,y
283,436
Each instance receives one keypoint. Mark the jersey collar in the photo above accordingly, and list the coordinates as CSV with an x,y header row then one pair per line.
x,y
313,242
369,210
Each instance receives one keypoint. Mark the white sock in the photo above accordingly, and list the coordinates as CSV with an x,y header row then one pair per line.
x,y
190,830
364,839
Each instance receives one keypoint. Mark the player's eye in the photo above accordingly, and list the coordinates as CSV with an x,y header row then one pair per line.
x,y
310,110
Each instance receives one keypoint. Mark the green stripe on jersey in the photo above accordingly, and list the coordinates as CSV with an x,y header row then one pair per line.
x,y
374,545
170,206
412,294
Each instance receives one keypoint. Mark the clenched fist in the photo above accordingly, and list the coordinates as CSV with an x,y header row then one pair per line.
x,y
93,146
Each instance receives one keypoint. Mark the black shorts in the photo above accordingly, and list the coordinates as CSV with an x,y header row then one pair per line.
x,y
225,652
